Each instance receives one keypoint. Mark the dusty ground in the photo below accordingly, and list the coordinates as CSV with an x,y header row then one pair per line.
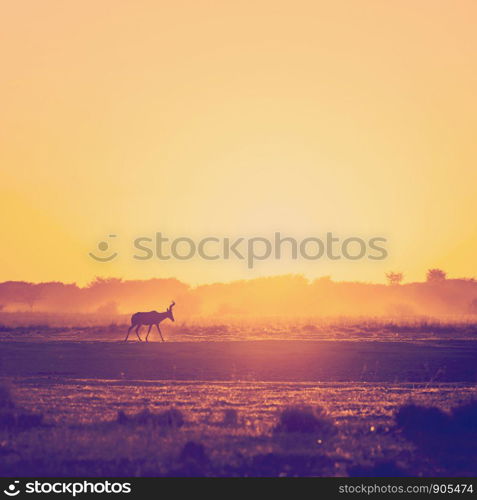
x,y
267,360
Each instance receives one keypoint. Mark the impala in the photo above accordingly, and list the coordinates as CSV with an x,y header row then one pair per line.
x,y
150,318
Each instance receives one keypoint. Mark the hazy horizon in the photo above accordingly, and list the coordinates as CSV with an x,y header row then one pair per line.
x,y
383,281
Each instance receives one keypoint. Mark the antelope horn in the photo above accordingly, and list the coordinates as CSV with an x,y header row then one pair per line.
x,y
172,305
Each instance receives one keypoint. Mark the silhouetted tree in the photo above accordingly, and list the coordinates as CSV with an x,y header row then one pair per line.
x,y
394,278
434,275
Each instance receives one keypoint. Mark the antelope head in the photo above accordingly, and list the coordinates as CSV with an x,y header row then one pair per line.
x,y
169,311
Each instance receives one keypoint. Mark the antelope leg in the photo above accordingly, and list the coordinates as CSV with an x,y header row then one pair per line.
x,y
130,328
159,330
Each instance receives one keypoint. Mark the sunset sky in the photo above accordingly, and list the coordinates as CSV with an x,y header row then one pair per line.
x,y
200,118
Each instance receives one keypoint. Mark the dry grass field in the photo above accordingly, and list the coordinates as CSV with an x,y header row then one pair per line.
x,y
236,408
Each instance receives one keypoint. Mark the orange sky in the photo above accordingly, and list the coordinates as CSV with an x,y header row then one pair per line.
x,y
237,119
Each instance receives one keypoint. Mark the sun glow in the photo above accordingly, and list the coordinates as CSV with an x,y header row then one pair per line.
x,y
197,119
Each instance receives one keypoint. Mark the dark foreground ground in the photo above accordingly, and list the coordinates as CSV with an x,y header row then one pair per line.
x,y
217,408
268,360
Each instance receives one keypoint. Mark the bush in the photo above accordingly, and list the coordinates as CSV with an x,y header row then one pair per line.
x,y
6,400
194,452
416,421
449,438
19,420
168,418
230,418
465,417
13,418
304,420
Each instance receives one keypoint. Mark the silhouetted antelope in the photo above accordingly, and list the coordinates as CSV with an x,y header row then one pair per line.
x,y
150,318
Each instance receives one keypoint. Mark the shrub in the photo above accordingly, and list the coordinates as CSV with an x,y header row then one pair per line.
x,y
14,418
168,418
304,420
416,421
194,452
6,400
465,417
230,418
19,420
